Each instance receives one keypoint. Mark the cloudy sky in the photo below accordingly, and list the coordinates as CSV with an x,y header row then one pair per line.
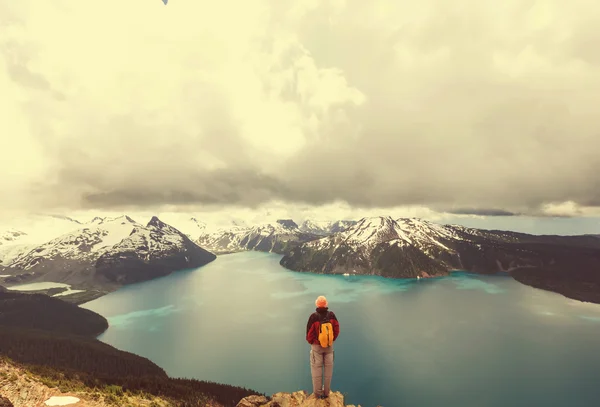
x,y
466,107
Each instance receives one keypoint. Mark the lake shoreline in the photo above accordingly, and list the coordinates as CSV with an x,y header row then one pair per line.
x,y
95,291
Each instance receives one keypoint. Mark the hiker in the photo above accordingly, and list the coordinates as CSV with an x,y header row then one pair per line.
x,y
322,330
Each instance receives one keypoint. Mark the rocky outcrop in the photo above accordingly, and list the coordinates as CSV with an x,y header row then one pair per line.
x,y
22,388
296,399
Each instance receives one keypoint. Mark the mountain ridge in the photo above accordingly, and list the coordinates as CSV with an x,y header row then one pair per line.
x,y
325,227
276,237
415,248
381,245
105,254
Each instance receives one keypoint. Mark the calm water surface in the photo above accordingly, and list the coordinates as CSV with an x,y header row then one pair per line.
x,y
459,341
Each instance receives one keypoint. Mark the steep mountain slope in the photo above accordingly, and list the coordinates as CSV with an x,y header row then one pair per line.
x,y
149,252
10,252
189,225
276,237
325,228
408,248
106,254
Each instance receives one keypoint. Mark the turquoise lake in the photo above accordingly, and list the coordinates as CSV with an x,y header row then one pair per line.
x,y
458,341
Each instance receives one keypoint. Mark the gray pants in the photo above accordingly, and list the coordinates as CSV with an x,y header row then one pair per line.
x,y
321,359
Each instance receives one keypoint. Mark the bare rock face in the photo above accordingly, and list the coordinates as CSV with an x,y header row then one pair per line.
x,y
252,401
296,399
4,402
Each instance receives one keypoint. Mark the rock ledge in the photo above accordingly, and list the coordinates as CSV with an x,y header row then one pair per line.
x,y
297,399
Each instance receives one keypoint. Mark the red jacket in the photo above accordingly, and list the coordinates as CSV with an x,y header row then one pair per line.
x,y
312,328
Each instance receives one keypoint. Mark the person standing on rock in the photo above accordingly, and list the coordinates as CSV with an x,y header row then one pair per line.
x,y
322,330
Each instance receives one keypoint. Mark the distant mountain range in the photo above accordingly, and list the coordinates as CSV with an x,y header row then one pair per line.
x,y
277,237
100,255
103,254
325,228
414,248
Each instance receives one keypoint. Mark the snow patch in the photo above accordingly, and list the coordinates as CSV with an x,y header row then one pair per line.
x,y
10,252
40,228
61,400
68,292
45,286
38,286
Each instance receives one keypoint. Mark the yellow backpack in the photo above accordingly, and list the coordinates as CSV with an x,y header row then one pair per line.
x,y
326,332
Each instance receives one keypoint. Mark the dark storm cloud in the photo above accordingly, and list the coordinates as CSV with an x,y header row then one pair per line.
x,y
217,187
481,212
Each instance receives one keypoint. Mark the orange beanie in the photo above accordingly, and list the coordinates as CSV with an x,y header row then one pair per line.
x,y
321,302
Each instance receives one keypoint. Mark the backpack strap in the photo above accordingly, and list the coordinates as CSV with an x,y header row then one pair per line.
x,y
322,319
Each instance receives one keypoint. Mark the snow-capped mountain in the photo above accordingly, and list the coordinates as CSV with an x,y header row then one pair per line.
x,y
274,237
8,253
11,246
10,236
189,225
117,250
325,228
150,251
195,226
409,248
38,228
19,236
365,247
85,244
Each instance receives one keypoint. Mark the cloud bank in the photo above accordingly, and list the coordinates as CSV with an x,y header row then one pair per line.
x,y
478,104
